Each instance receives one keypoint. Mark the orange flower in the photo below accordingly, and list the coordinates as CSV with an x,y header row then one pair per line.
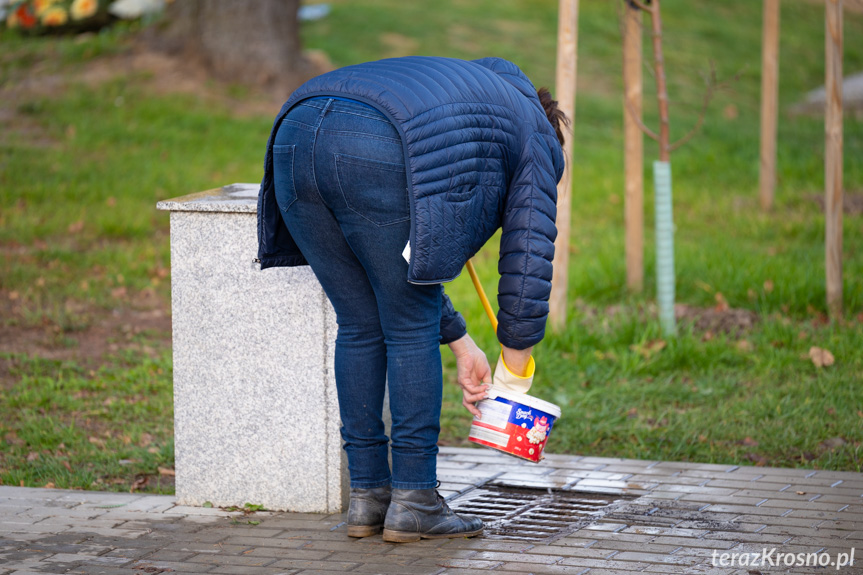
x,y
84,8
54,17
41,6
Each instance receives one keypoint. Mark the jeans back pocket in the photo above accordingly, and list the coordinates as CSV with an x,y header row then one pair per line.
x,y
373,189
283,175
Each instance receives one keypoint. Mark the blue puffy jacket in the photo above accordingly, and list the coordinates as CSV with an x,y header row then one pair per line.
x,y
481,155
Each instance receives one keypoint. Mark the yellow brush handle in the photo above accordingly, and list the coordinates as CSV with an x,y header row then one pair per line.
x,y
481,293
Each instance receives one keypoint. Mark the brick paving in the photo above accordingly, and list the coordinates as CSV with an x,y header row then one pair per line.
x,y
669,518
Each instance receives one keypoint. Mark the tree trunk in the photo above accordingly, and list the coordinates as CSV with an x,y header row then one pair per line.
x,y
249,42
633,150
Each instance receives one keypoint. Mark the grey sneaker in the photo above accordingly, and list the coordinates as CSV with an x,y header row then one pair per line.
x,y
416,514
367,510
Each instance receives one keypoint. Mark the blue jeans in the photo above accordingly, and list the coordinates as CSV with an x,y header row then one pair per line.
x,y
341,187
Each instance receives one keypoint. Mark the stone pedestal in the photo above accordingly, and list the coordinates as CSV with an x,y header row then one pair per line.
x,y
255,406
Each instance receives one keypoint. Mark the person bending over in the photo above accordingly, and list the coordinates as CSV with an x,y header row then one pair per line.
x,y
386,177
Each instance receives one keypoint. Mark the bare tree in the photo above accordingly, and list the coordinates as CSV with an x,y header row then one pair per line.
x,y
250,42
665,276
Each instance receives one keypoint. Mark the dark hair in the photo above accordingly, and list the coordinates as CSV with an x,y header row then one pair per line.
x,y
555,115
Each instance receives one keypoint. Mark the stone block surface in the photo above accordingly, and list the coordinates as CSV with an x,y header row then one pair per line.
x,y
256,413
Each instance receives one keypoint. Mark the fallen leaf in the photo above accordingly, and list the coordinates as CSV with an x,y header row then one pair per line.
x,y
32,456
610,355
758,460
67,466
821,357
139,483
768,286
730,112
633,412
13,295
650,348
167,471
721,302
118,292
801,493
702,438
76,227
748,441
745,345
152,450
49,485
818,317
96,441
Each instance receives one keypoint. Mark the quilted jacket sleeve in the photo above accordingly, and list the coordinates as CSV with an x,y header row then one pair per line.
x,y
527,243
452,324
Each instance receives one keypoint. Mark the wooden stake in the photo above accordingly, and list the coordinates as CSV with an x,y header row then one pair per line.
x,y
769,102
661,90
833,156
633,150
567,60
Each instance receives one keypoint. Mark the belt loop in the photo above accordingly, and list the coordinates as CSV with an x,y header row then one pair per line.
x,y
323,112
327,106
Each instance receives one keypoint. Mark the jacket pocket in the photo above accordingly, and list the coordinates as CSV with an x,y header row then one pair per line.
x,y
375,190
461,193
283,175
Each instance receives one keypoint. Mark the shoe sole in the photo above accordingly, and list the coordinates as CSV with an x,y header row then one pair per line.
x,y
363,530
411,537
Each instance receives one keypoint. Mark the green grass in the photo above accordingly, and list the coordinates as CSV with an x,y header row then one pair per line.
x,y
96,429
82,166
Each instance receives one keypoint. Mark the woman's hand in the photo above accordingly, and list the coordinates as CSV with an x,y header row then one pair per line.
x,y
474,372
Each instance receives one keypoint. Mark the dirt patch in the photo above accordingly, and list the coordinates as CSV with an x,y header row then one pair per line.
x,y
156,72
734,322
852,202
730,321
100,333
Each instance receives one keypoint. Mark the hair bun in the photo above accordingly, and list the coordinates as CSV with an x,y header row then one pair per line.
x,y
555,115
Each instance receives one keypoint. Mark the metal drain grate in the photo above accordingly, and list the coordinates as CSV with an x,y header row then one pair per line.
x,y
533,514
